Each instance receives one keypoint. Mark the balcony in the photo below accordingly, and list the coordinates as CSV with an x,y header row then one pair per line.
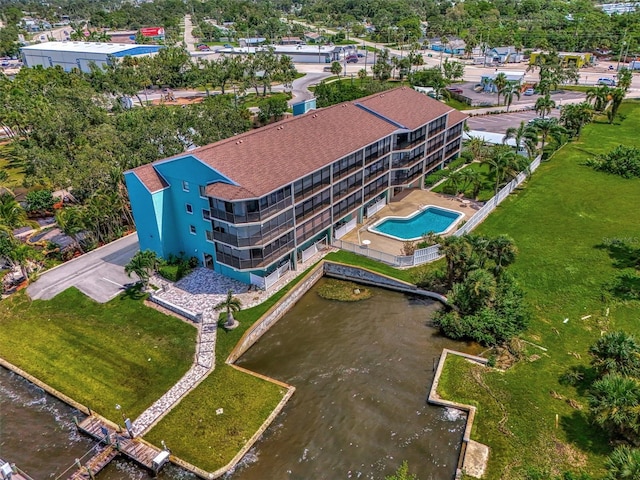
x,y
261,262
249,217
376,155
254,240
409,144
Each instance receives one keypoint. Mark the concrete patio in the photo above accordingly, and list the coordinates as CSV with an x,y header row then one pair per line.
x,y
402,205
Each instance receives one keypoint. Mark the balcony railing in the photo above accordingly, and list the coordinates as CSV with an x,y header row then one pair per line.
x,y
261,262
307,192
376,155
249,217
407,144
254,240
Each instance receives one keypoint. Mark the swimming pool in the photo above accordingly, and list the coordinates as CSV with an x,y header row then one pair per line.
x,y
429,219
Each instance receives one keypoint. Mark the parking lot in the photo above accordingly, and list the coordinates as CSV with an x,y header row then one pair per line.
x,y
491,99
500,123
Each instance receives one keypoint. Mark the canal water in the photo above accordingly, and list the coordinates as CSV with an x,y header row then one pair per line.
x,y
362,372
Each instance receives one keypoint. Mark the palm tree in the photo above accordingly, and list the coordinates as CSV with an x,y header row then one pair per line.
x,y
474,179
616,352
72,222
230,304
623,464
458,253
615,402
503,163
12,214
625,76
143,263
544,105
336,68
599,96
362,75
548,127
503,251
509,91
500,82
575,116
477,148
521,135
617,96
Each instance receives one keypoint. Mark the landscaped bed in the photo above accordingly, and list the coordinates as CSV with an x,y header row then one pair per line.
x,y
100,355
488,183
561,222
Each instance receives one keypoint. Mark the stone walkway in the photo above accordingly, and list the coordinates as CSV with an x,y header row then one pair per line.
x,y
199,293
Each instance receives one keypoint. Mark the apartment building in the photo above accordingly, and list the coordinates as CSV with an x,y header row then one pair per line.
x,y
247,205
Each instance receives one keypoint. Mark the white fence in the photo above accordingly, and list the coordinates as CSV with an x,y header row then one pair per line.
x,y
256,280
376,207
429,254
346,228
312,250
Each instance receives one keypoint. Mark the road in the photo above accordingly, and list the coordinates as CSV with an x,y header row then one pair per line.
x,y
98,274
188,37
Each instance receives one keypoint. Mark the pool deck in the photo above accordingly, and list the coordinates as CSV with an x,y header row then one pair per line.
x,y
403,205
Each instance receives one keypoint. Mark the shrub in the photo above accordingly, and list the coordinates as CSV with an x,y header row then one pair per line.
x,y
176,267
622,160
39,201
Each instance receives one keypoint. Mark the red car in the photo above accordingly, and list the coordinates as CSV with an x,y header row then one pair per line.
x,y
455,90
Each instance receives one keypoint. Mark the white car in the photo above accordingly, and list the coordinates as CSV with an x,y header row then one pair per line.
x,y
609,82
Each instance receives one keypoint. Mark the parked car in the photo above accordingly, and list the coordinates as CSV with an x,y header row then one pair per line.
x,y
455,90
529,91
610,82
361,55
228,45
352,58
203,48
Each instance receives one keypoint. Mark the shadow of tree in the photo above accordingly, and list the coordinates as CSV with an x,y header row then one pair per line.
x,y
622,254
584,434
581,377
133,291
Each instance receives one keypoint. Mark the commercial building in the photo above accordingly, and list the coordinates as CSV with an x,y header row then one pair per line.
x,y
579,59
298,53
512,76
70,55
250,204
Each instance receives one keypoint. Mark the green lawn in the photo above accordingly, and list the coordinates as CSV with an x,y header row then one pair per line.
x,y
193,431
488,184
558,221
121,352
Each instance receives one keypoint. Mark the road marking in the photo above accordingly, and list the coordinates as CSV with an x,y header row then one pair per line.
x,y
111,281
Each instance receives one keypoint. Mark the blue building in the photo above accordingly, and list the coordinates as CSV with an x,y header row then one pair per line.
x,y
250,204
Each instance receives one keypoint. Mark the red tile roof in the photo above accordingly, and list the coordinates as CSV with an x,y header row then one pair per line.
x,y
150,178
263,160
405,106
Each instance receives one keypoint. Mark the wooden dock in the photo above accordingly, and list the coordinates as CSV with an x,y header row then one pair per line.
x,y
16,473
116,443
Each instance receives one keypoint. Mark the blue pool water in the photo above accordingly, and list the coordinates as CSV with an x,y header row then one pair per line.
x,y
431,219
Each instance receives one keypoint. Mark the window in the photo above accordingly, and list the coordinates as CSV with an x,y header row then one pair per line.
x,y
185,185
201,189
206,214
192,229
209,235
189,208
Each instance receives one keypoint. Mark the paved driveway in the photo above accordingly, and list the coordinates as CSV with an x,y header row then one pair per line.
x,y
98,274
499,123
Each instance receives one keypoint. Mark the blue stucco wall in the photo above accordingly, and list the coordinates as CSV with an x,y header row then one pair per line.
x,y
147,213
162,220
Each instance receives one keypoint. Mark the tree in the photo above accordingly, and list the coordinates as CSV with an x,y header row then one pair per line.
x,y
230,304
599,95
548,128
39,201
616,353
617,96
402,473
510,90
12,215
336,68
625,77
478,148
452,70
502,251
503,163
382,68
500,82
623,464
522,135
544,105
143,263
272,107
575,116
614,402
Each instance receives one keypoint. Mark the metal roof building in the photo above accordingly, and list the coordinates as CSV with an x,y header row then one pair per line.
x,y
71,55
